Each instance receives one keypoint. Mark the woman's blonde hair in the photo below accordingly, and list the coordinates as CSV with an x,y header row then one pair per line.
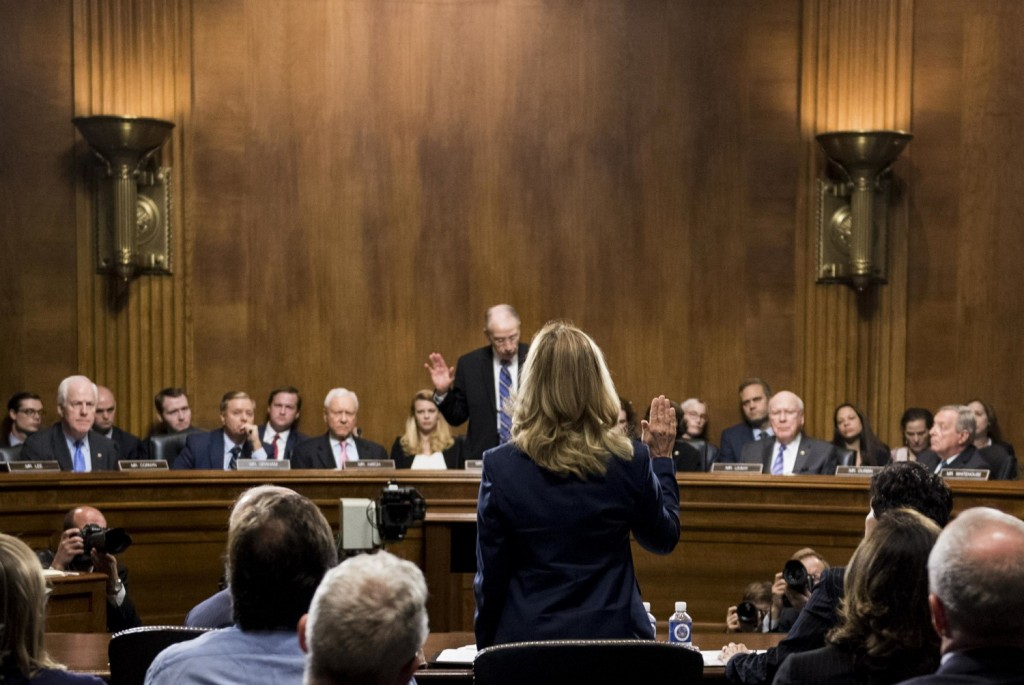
x,y
440,440
565,413
22,608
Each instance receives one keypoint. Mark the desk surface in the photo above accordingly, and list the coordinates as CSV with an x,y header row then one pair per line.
x,y
87,652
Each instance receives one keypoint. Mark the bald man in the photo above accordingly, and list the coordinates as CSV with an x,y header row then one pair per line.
x,y
106,410
791,452
473,390
72,442
70,556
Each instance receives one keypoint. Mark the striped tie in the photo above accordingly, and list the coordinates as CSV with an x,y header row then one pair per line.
x,y
504,392
777,466
236,451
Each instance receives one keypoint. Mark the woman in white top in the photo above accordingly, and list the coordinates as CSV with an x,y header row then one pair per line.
x,y
914,425
427,442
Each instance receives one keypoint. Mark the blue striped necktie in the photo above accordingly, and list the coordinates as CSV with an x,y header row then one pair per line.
x,y
777,465
504,392
78,461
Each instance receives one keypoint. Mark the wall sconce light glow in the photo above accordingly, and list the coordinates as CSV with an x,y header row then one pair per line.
x,y
134,196
853,208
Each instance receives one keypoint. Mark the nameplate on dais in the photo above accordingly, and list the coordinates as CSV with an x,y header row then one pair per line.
x,y
29,466
370,464
861,471
263,465
737,468
142,465
966,474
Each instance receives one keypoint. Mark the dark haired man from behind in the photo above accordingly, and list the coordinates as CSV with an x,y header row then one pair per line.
x,y
905,484
976,580
279,548
754,396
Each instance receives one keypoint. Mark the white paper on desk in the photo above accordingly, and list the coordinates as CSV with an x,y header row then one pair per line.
x,y
712,656
462,655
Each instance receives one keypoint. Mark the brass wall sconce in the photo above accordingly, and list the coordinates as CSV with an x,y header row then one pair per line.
x,y
853,206
133,208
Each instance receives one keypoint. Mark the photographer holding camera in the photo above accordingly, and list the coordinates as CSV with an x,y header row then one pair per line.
x,y
789,593
88,546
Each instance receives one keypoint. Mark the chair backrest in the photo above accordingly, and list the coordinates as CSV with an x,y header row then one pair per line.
x,y
9,454
167,446
594,662
846,457
132,651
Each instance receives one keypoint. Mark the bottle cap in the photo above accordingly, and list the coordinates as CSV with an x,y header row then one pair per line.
x,y
680,607
647,607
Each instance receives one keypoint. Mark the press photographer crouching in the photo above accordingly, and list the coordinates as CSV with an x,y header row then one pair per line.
x,y
775,609
87,545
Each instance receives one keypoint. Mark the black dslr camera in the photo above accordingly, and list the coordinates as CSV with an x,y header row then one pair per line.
x,y
749,616
103,540
796,576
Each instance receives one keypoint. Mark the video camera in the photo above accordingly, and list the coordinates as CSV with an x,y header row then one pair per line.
x,y
367,524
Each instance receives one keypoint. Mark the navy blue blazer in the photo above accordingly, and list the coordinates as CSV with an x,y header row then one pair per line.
x,y
316,453
50,444
127,444
553,552
815,456
985,666
206,451
970,458
294,438
732,442
472,397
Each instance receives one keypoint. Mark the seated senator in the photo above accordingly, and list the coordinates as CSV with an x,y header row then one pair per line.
x,y
427,442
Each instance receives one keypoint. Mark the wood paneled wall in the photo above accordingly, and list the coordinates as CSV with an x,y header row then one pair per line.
x,y
358,180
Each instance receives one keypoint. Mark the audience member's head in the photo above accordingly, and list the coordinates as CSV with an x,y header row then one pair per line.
x,y
279,547
76,402
425,426
172,407
976,575
284,406
908,484
952,430
884,614
22,609
754,396
366,624
914,425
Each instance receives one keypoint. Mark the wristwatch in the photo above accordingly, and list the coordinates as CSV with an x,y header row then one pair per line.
x,y
118,585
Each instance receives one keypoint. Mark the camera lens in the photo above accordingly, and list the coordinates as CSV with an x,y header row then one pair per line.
x,y
748,614
795,575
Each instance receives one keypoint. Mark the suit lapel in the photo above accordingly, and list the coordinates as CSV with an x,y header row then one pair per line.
x,y
217,450
766,455
324,453
802,457
60,448
488,380
98,455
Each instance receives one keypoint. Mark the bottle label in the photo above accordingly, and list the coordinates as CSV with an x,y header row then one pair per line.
x,y
679,631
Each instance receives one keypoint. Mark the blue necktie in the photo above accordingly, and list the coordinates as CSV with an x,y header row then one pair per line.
x,y
78,461
777,466
504,392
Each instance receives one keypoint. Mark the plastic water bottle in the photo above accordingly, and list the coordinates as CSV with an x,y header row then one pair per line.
x,y
650,617
680,625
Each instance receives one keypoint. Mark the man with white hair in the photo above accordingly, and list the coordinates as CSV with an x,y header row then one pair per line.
x,y
72,442
791,452
339,445
952,441
976,578
366,624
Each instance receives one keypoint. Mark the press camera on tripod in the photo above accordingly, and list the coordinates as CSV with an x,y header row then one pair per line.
x,y
368,525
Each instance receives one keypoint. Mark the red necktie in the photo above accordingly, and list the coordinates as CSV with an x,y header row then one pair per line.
x,y
273,446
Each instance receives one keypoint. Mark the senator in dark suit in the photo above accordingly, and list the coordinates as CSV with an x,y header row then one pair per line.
x,y
754,395
339,444
472,392
220,449
279,434
73,435
554,520
952,442
977,599
799,454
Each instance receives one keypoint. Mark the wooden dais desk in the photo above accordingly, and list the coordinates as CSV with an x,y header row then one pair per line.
x,y
77,603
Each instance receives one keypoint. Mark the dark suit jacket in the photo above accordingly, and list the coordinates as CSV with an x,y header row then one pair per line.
x,y
970,458
553,552
1004,464
206,451
988,666
50,444
807,633
127,444
815,456
453,458
315,453
686,457
732,442
294,438
472,397
840,666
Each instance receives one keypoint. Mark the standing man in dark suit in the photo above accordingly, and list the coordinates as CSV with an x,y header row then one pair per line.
x,y
338,445
791,452
754,396
280,434
475,390
71,441
976,579
239,438
952,441
106,408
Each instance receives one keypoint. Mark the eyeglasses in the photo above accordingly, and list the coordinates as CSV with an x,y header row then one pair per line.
x,y
33,412
514,338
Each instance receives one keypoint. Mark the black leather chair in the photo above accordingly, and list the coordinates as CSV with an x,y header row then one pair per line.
x,y
132,651
167,446
594,662
1004,464
10,453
